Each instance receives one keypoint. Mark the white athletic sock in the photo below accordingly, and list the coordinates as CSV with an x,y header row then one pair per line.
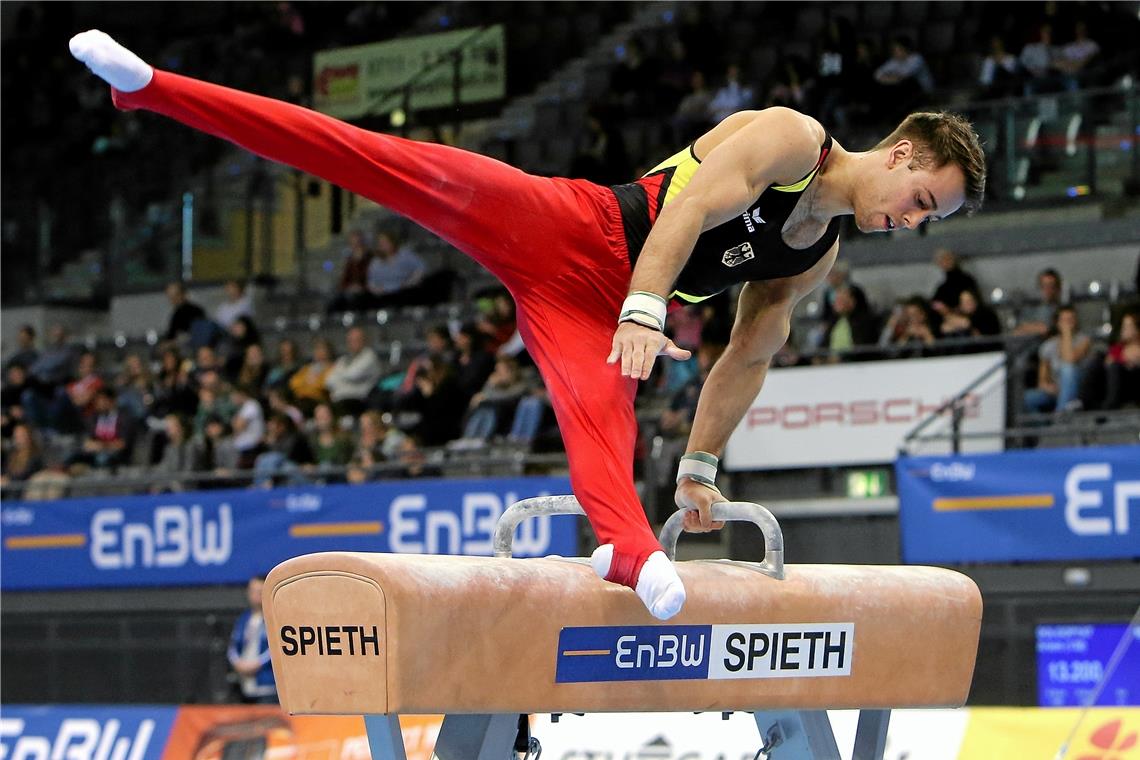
x,y
110,61
658,586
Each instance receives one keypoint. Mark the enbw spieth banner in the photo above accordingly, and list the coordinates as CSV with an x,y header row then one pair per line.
x,y
1022,506
217,537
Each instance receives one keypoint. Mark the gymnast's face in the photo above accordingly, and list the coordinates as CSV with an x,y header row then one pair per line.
x,y
897,193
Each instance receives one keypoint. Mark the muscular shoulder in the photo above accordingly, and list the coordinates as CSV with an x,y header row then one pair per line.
x,y
794,135
780,143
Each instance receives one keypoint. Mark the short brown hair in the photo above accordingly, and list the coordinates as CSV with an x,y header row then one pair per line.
x,y
941,138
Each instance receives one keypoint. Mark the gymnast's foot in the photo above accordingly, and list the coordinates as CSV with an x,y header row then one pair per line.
x,y
658,585
110,61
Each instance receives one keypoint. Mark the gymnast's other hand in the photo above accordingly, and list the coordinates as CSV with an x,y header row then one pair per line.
x,y
697,500
638,346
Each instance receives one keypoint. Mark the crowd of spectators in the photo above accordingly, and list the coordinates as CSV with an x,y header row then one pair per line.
x,y
219,401
853,79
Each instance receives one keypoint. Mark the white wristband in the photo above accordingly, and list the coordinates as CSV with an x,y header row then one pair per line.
x,y
699,466
646,309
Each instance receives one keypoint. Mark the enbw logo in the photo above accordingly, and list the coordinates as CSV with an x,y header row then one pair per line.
x,y
175,537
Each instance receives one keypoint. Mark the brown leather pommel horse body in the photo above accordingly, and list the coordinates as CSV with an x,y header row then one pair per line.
x,y
487,639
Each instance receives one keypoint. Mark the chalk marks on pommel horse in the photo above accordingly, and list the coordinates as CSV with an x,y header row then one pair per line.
x,y
485,639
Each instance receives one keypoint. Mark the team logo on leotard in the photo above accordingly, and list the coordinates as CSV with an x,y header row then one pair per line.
x,y
737,255
751,218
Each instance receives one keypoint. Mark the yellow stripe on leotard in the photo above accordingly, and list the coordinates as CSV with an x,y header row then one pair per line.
x,y
684,165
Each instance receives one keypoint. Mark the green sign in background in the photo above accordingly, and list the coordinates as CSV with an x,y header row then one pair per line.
x,y
368,79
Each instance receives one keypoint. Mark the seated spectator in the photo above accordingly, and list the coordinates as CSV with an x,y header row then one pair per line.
x,y
238,303
243,333
1038,320
439,344
215,446
1112,380
439,404
911,327
601,156
378,442
110,434
352,290
206,360
354,375
12,393
180,455
1000,75
308,383
186,313
330,446
529,416
903,79
731,97
677,420
67,408
955,281
135,387
213,400
174,391
840,277
25,458
1038,59
473,362
287,364
1123,365
414,462
283,451
253,370
279,404
498,322
788,87
850,327
1058,369
496,400
248,424
692,118
1073,58
971,319
54,367
632,81
393,268
673,78
25,354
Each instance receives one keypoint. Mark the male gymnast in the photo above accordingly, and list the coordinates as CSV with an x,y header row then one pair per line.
x,y
756,200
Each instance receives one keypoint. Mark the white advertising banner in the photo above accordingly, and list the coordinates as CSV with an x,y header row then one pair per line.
x,y
925,734
859,413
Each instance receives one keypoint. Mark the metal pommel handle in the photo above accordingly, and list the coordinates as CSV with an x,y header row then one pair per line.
x,y
538,506
773,563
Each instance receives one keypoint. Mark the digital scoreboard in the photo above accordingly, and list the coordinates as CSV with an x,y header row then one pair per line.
x,y
1072,660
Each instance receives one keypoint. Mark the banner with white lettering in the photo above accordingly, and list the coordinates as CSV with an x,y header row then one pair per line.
x,y
82,731
215,537
858,413
1021,506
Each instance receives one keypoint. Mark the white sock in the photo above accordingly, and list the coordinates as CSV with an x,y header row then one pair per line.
x,y
110,61
658,586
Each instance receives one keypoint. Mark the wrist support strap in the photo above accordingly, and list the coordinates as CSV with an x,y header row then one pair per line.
x,y
646,309
699,466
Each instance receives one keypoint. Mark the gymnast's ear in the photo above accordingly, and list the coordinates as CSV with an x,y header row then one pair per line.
x,y
900,154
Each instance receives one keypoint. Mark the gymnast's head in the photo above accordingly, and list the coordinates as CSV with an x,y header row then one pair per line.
x,y
929,167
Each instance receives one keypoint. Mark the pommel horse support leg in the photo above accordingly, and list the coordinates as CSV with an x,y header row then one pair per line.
x,y
484,639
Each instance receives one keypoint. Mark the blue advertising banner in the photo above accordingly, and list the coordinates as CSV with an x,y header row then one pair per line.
x,y
136,733
219,537
1021,506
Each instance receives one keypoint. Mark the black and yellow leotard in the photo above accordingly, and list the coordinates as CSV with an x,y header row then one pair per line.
x,y
747,248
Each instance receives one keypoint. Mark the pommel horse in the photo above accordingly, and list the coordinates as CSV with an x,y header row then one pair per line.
x,y
485,639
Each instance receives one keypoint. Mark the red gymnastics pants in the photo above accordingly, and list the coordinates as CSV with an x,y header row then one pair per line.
x,y
558,245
